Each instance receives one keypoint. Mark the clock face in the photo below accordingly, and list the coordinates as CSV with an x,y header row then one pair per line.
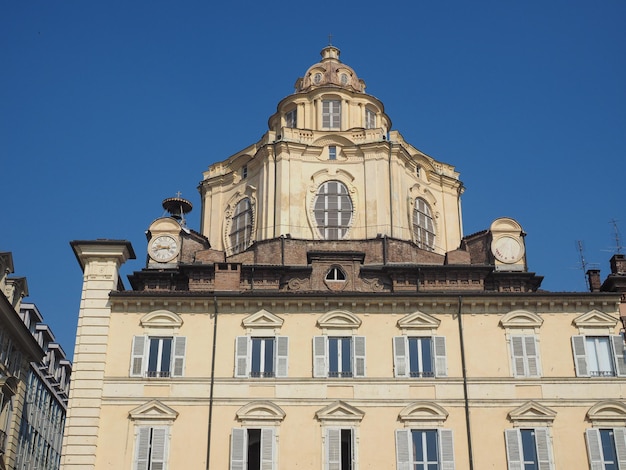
x,y
163,248
507,249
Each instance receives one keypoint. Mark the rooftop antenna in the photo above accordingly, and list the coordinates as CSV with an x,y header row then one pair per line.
x,y
583,263
177,207
618,244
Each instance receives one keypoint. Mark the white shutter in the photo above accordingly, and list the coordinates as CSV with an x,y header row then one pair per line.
x,y
238,449
403,447
580,358
282,351
142,450
137,355
594,449
618,351
439,349
242,348
513,441
517,356
320,345
620,446
400,361
359,356
267,449
178,358
544,449
157,456
446,449
333,449
532,356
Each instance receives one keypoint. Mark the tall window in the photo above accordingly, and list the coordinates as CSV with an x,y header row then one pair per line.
x,y
333,210
370,119
423,225
253,449
331,114
261,356
529,449
158,356
607,448
291,118
420,356
599,356
241,226
424,449
339,356
339,449
525,356
151,448
332,152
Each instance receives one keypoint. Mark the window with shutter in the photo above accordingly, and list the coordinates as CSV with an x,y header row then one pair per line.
x,y
339,449
599,356
253,449
158,356
606,448
525,356
261,356
151,448
339,356
420,356
431,449
529,449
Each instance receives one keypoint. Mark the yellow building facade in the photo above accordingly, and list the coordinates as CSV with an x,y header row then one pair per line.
x,y
331,315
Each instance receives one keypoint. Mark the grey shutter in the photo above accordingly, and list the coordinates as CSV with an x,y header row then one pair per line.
x,y
359,356
620,446
157,456
319,356
513,449
403,447
400,356
532,356
439,349
178,358
580,358
137,356
594,449
333,449
446,449
238,449
143,448
517,356
544,449
242,347
618,351
282,351
267,449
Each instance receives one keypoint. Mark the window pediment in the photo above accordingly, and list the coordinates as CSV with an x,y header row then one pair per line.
x,y
153,412
340,412
595,319
339,319
610,413
521,319
532,414
260,412
263,320
418,321
161,319
423,414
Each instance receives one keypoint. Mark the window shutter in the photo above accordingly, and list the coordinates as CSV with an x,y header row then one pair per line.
x,y
532,356
618,350
282,351
238,449
137,355
544,449
403,447
400,356
178,359
242,346
157,456
580,358
143,448
513,449
517,355
446,449
267,449
359,356
441,363
593,449
333,449
320,345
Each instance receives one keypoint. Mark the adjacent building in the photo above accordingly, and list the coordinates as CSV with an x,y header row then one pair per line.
x,y
330,314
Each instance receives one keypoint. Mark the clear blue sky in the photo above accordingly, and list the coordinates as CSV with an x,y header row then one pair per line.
x,y
107,108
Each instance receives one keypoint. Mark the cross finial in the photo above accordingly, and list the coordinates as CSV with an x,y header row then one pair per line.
x,y
330,39
178,194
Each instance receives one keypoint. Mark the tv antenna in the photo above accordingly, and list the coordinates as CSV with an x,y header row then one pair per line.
x,y
618,244
583,262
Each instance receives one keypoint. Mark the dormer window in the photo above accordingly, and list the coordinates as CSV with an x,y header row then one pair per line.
x,y
331,114
291,118
332,152
335,274
370,119
244,172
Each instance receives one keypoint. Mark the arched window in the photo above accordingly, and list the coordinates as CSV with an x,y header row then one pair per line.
x,y
241,226
333,210
423,225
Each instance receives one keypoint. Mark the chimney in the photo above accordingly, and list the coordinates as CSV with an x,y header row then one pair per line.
x,y
593,277
618,264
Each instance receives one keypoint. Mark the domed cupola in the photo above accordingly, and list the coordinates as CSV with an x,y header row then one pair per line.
x,y
330,72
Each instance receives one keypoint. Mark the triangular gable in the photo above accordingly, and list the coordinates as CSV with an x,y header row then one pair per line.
x,y
260,412
161,319
595,319
611,413
153,411
263,319
339,319
532,412
419,321
340,411
521,319
423,413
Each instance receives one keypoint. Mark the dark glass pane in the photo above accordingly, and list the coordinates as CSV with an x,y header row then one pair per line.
x,y
413,357
346,449
269,357
166,354
608,449
427,360
333,356
254,449
154,354
529,449
256,357
346,356
431,446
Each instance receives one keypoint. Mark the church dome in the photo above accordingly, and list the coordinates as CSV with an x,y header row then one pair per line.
x,y
330,71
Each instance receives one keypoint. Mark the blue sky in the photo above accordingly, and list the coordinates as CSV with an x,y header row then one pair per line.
x,y
107,108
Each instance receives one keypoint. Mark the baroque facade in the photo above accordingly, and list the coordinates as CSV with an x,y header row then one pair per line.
x,y
331,315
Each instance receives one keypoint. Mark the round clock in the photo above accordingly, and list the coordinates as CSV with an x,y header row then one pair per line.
x,y
507,249
163,248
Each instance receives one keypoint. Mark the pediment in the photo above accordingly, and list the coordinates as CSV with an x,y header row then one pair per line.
x,y
521,319
423,412
153,411
505,224
261,412
161,319
263,319
419,321
532,412
608,413
339,319
340,411
595,318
